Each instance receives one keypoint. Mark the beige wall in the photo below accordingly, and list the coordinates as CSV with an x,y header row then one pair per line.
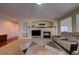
x,y
70,14
8,27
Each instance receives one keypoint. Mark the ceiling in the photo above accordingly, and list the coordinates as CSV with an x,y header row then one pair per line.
x,y
32,10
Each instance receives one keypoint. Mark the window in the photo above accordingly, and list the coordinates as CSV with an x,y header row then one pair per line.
x,y
64,29
66,25
77,22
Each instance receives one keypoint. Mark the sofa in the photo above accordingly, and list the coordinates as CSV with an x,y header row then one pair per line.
x,y
68,41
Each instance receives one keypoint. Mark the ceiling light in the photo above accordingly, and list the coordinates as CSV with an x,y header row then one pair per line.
x,y
38,3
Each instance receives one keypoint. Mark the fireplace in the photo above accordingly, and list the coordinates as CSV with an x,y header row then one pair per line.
x,y
46,34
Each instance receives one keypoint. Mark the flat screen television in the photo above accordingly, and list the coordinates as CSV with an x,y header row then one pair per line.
x,y
36,32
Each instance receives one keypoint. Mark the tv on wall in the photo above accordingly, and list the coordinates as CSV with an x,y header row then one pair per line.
x,y
36,32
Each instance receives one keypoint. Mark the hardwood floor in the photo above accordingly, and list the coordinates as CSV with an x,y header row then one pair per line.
x,y
8,41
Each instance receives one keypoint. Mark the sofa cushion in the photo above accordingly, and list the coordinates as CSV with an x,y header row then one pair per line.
x,y
72,38
76,34
64,43
78,39
65,34
63,38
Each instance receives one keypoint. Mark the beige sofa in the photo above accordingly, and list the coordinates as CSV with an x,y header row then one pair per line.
x,y
67,40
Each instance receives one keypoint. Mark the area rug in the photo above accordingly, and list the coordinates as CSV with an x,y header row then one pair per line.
x,y
53,45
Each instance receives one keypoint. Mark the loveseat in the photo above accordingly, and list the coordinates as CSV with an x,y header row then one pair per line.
x,y
68,41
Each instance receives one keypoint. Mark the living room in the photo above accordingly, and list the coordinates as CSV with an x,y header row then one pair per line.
x,y
32,29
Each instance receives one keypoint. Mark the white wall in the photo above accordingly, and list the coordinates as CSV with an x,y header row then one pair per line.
x,y
77,22
66,25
